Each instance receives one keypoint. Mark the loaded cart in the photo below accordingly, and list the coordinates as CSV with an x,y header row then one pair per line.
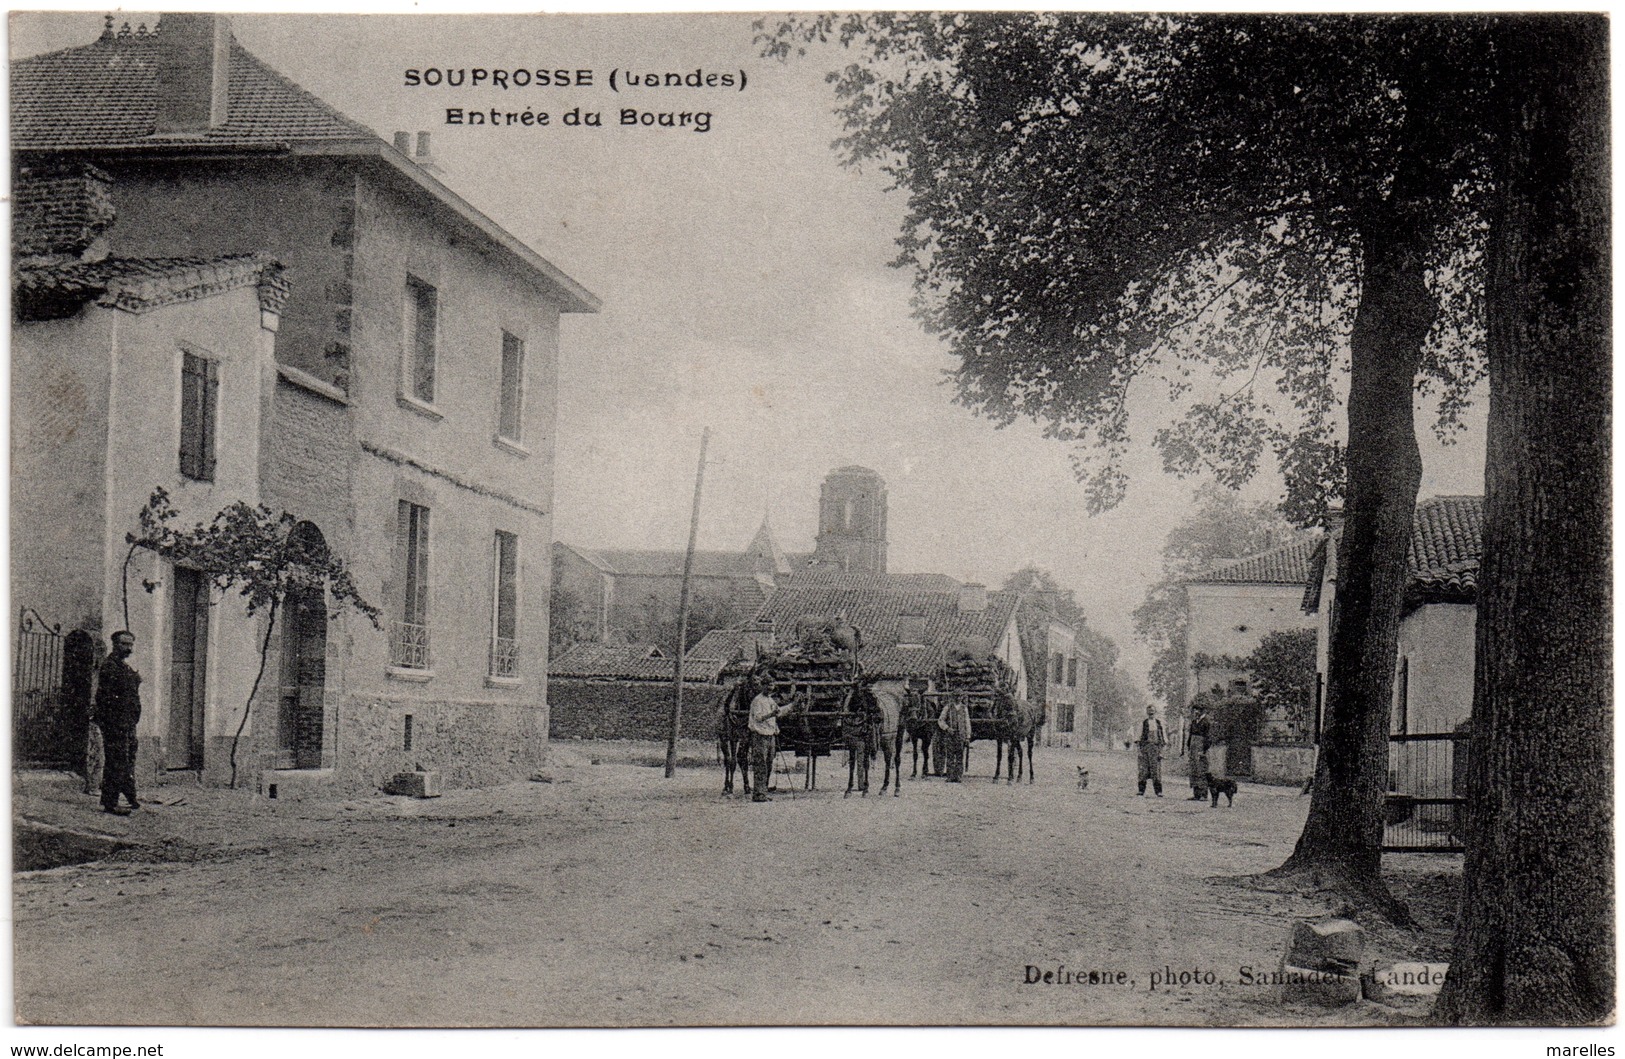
x,y
977,682
821,676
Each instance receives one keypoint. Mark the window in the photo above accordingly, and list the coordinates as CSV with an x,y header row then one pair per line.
x,y
510,417
1060,668
1071,674
200,388
421,319
505,608
911,630
409,642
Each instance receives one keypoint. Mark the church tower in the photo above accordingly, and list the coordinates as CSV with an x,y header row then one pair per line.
x,y
852,522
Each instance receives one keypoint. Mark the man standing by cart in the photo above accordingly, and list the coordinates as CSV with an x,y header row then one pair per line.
x,y
765,712
954,723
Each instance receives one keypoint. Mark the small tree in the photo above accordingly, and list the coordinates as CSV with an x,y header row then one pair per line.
x,y
1282,669
260,555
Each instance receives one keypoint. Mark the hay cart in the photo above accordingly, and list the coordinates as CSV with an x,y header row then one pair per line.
x,y
824,686
977,683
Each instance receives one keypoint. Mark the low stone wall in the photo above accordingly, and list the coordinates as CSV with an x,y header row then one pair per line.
x,y
1283,764
627,709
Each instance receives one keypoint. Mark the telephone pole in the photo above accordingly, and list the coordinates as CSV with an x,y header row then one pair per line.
x,y
682,613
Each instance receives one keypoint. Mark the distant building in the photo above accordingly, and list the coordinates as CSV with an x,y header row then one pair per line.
x,y
630,595
1237,603
852,522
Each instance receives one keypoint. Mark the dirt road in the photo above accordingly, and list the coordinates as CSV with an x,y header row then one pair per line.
x,y
612,896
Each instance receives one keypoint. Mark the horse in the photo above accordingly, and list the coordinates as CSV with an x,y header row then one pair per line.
x,y
1019,720
919,724
733,733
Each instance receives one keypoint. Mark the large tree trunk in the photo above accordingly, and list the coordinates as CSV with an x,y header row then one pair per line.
x,y
1342,838
1535,941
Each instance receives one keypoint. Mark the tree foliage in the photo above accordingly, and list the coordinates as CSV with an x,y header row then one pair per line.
x,y
1099,200
261,556
1282,672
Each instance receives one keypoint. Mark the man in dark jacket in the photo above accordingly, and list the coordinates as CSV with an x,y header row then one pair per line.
x,y
118,708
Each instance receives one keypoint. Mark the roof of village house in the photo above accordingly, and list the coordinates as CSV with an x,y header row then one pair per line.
x,y
1447,539
104,95
724,645
1285,564
45,291
834,577
875,606
597,661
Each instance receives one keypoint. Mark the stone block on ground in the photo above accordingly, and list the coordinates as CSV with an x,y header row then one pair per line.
x,y
1322,988
415,784
1327,944
1405,984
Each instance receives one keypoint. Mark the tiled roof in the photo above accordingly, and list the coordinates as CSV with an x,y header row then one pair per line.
x,y
1447,541
1285,564
876,607
596,661
52,291
627,661
103,95
826,577
724,645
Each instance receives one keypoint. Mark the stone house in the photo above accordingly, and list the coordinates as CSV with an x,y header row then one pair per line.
x,y
1434,666
121,369
408,417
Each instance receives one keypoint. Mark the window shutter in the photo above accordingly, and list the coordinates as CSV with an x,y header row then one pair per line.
x,y
191,420
208,411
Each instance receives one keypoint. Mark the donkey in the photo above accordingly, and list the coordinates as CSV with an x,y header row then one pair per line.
x,y
1019,721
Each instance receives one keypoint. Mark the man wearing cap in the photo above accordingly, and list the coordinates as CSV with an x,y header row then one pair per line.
x,y
117,709
954,722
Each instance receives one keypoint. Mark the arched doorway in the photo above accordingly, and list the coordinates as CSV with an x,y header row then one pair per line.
x,y
304,669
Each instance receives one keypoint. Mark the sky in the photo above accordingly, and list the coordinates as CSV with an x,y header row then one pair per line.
x,y
746,287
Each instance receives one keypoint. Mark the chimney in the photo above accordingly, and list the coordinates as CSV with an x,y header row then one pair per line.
x,y
1334,518
61,211
424,160
972,598
194,67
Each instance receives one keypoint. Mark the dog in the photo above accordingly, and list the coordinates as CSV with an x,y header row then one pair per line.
x,y
1218,785
1083,778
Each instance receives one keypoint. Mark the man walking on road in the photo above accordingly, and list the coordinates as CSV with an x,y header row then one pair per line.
x,y
118,708
1152,739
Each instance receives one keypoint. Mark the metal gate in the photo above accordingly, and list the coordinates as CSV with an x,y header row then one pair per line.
x,y
50,693
1424,809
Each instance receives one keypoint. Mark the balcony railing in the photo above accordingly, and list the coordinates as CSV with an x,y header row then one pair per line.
x,y
504,658
409,645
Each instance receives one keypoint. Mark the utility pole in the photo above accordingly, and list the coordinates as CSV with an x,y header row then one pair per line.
x,y
682,612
